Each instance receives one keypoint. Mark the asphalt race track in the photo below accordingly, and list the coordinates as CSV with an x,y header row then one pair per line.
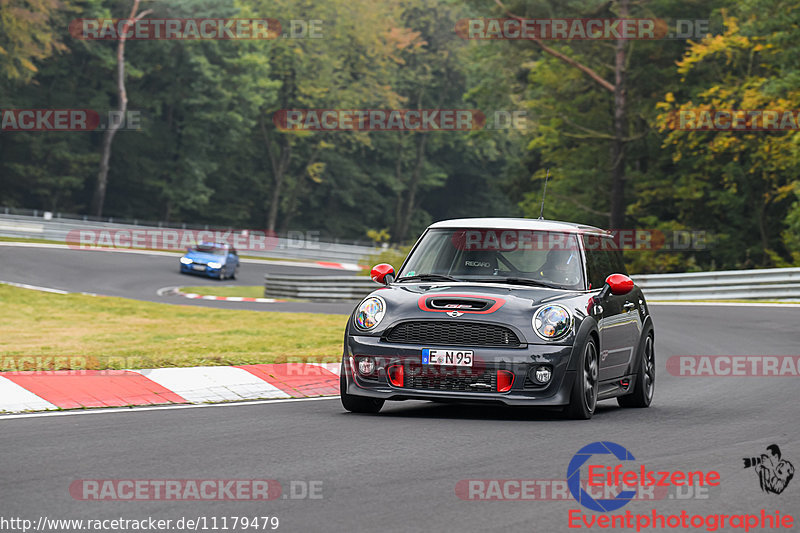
x,y
399,471
139,276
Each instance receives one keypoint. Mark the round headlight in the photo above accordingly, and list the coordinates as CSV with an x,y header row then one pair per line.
x,y
552,322
186,261
370,313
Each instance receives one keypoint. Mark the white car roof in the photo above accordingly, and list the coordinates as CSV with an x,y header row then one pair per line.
x,y
516,223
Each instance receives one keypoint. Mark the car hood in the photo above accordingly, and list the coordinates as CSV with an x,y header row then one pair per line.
x,y
203,257
511,305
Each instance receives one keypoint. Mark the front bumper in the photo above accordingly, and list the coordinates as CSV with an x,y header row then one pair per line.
x,y
207,270
427,382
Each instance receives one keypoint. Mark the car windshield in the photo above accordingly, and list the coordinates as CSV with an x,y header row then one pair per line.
x,y
523,257
210,249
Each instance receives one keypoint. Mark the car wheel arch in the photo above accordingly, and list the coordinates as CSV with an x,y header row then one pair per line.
x,y
588,328
647,331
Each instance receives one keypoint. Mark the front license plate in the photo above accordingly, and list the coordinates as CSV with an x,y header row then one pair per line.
x,y
199,267
447,357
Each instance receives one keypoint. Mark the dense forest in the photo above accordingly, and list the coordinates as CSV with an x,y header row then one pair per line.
x,y
599,114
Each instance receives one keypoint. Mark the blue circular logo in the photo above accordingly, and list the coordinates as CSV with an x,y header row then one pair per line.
x,y
574,477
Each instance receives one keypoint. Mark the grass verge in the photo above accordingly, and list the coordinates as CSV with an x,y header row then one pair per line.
x,y
109,333
26,240
247,291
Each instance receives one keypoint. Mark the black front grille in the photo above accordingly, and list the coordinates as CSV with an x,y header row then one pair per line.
x,y
449,333
483,382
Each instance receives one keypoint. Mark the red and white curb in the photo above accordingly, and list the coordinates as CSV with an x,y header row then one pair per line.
x,y
229,298
176,291
76,389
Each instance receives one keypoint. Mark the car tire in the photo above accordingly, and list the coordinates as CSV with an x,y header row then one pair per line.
x,y
645,383
222,274
583,398
356,404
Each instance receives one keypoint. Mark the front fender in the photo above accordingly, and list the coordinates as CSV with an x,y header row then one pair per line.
x,y
587,326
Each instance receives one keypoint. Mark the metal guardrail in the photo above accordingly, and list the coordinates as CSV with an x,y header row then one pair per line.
x,y
768,283
772,284
325,288
55,228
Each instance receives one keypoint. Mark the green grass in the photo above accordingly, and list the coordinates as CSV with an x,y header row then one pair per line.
x,y
248,291
111,332
25,240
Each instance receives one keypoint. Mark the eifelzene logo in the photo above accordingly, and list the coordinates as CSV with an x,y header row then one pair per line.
x,y
774,472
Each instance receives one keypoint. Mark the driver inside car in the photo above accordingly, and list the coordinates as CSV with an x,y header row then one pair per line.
x,y
562,267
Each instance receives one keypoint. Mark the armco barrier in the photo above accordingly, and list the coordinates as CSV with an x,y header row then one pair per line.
x,y
769,283
55,228
326,288
772,284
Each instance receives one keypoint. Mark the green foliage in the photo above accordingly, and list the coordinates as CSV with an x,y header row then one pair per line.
x,y
30,32
393,255
208,150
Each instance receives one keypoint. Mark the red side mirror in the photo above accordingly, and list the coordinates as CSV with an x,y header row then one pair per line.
x,y
383,273
620,284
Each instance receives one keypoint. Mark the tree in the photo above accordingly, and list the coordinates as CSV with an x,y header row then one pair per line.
x,y
99,198
742,183
30,32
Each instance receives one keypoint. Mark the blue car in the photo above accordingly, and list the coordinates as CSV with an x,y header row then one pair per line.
x,y
214,260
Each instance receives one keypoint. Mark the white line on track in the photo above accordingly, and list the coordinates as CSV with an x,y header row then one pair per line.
x,y
101,411
33,287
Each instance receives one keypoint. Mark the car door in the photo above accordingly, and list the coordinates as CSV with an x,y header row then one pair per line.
x,y
615,347
631,305
232,262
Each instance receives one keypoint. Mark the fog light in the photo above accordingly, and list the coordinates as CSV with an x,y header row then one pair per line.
x,y
366,366
543,374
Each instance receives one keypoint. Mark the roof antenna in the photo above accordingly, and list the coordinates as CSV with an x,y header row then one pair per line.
x,y
544,192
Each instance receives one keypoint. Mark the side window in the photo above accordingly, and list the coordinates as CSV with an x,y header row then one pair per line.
x,y
599,261
618,262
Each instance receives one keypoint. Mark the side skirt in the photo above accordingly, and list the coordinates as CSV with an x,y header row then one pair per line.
x,y
615,387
